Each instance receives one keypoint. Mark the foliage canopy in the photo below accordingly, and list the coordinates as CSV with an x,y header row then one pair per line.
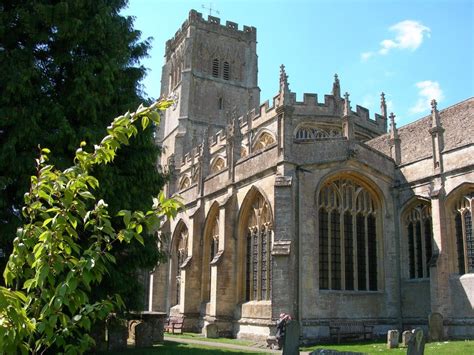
x,y
51,270
67,68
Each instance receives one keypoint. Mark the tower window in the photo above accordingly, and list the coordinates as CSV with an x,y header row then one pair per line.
x,y
226,71
220,103
215,68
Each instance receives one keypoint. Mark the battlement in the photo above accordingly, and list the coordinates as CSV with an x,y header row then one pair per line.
x,y
248,33
333,106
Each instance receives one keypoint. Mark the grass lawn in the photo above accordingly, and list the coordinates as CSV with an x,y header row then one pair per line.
x,y
461,347
198,336
172,348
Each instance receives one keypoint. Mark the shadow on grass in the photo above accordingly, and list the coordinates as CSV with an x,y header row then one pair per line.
x,y
173,348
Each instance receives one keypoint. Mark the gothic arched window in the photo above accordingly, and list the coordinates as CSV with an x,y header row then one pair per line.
x,y
217,165
419,233
179,256
184,183
464,236
258,251
348,236
263,141
211,247
215,68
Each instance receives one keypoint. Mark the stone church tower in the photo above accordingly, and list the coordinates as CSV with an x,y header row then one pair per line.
x,y
307,207
211,71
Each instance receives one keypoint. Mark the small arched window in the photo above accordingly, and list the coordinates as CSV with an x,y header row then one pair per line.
x,y
263,141
184,183
226,71
220,103
217,165
215,68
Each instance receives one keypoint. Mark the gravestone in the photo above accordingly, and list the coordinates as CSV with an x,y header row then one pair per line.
x,y
143,335
210,331
416,345
435,324
292,338
406,336
117,334
392,339
98,334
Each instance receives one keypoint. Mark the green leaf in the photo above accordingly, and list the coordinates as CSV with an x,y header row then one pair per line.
x,y
145,122
28,283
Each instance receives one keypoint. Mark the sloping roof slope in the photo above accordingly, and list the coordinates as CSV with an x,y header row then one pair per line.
x,y
415,138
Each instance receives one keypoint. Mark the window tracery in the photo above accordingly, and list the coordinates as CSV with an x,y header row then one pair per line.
x,y
347,237
307,133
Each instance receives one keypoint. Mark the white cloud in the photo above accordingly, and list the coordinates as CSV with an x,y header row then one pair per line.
x,y
366,56
409,35
427,91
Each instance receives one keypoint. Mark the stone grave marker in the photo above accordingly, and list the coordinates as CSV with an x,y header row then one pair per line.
x,y
406,336
211,331
416,345
435,324
392,339
292,338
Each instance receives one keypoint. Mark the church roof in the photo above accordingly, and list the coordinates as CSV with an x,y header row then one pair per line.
x,y
415,138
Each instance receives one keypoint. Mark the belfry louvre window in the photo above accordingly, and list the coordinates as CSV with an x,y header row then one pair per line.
x,y
258,258
347,237
215,68
419,232
226,71
464,237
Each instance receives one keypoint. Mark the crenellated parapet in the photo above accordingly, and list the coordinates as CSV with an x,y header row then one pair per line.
x,y
310,121
248,33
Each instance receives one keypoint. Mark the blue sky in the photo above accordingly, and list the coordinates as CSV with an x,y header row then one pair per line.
x,y
412,50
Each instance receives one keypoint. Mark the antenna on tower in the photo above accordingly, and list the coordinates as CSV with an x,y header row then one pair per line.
x,y
210,9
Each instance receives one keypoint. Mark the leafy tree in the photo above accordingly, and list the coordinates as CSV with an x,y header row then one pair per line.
x,y
67,67
51,273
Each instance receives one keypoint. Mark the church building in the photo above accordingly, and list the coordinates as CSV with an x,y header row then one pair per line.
x,y
312,207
